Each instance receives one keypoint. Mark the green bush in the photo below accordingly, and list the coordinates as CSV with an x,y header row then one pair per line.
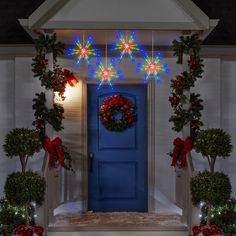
x,y
23,188
22,142
213,143
223,216
212,188
11,216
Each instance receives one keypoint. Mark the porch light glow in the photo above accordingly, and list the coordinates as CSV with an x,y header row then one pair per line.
x,y
70,91
152,67
126,45
82,50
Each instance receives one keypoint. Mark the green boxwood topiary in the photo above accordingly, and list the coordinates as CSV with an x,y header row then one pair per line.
x,y
212,188
22,142
21,188
213,143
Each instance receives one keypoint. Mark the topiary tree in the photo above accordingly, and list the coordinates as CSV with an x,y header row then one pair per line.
x,y
22,142
211,188
213,143
22,188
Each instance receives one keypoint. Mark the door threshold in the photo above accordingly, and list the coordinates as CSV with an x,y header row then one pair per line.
x,y
116,221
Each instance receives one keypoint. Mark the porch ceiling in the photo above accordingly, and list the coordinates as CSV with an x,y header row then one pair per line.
x,y
125,14
101,18
102,37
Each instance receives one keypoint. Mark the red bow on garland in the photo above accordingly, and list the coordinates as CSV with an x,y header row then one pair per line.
x,y
180,151
71,79
53,147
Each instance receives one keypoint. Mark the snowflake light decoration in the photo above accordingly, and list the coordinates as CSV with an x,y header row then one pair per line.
x,y
152,67
106,74
82,50
126,45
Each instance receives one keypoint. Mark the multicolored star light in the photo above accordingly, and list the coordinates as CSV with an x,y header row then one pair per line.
x,y
126,45
152,67
106,74
82,50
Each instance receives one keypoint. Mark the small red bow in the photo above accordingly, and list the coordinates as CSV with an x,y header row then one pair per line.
x,y
53,147
71,79
180,151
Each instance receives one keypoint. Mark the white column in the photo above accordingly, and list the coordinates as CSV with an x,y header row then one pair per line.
x,y
45,212
190,213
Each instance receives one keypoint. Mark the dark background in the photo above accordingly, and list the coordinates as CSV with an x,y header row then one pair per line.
x,y
13,33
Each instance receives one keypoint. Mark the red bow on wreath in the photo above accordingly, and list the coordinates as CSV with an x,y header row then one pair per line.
x,y
71,79
53,147
180,151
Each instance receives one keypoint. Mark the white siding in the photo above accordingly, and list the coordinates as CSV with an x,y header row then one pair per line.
x,y
7,84
228,115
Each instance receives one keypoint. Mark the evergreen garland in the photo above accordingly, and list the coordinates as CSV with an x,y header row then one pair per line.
x,y
42,114
189,45
55,81
49,44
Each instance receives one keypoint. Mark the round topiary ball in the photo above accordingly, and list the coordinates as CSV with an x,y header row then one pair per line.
x,y
213,143
22,142
21,188
213,188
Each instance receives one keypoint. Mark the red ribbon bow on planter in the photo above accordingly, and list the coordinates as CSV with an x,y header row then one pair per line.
x,y
53,147
182,147
71,79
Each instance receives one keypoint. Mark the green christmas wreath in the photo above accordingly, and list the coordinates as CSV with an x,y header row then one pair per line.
x,y
110,109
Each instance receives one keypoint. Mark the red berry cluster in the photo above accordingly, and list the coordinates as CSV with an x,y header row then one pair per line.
x,y
207,231
28,231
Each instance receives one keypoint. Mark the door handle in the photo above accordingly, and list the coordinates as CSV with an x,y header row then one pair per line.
x,y
91,158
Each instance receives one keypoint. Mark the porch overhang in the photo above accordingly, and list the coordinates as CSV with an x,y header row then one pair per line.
x,y
122,14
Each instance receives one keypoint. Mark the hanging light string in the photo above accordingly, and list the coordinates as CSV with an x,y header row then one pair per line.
x,y
83,40
106,55
152,46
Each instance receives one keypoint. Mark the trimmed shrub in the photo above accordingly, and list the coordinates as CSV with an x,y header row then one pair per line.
x,y
212,188
22,188
22,142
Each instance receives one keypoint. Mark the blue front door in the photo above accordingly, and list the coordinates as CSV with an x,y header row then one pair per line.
x,y
117,160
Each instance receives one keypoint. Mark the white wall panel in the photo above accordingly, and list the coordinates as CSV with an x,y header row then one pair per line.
x,y
6,117
228,121
209,87
25,88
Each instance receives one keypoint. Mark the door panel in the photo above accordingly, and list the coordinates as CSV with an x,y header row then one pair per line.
x,y
117,160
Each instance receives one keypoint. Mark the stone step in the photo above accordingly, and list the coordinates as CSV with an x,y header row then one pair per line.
x,y
180,231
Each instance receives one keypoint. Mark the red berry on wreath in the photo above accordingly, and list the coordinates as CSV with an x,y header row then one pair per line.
x,y
118,104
